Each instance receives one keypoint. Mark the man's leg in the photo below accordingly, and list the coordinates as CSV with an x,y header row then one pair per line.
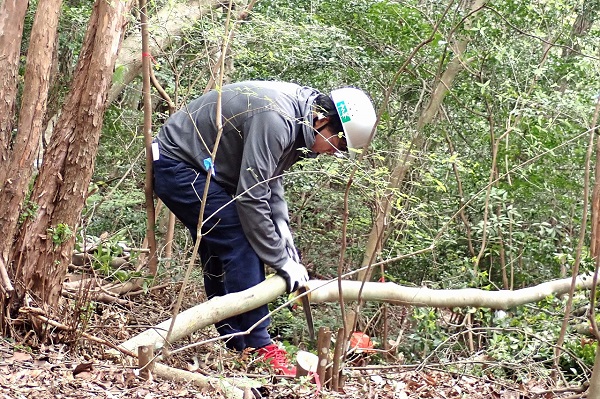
x,y
230,261
242,268
213,285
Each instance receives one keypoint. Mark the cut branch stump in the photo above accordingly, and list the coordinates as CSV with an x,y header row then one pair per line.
x,y
146,361
323,345
338,353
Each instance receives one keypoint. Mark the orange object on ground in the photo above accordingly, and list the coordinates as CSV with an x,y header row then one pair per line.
x,y
361,342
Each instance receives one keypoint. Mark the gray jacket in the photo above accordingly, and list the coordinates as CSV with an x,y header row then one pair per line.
x,y
267,126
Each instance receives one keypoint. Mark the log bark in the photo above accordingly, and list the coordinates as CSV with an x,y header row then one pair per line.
x,y
219,308
327,291
231,387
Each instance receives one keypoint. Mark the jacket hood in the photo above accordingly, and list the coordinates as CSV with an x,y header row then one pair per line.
x,y
306,98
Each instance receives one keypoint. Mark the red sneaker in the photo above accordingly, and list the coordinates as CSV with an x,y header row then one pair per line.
x,y
277,357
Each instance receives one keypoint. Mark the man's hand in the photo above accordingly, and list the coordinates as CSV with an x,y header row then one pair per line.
x,y
295,275
286,235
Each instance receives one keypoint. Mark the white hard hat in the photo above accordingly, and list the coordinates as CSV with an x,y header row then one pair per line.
x,y
357,115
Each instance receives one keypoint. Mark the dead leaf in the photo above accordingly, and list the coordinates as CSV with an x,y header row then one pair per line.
x,y
35,373
80,368
84,375
20,357
195,365
430,380
130,377
40,362
509,395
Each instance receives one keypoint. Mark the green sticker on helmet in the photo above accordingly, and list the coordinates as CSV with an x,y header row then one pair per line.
x,y
343,111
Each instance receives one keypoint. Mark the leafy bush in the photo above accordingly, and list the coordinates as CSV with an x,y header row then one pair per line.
x,y
515,344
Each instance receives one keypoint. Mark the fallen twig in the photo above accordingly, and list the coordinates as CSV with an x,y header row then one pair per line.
x,y
97,297
105,293
232,387
41,315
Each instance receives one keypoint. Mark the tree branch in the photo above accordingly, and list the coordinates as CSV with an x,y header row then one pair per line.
x,y
324,291
220,308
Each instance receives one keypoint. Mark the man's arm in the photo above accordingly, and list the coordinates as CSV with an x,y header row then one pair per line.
x,y
260,197
279,208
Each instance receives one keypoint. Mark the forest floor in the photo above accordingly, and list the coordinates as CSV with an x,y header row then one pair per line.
x,y
30,369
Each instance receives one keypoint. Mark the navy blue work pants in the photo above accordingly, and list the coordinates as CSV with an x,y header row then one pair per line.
x,y
229,262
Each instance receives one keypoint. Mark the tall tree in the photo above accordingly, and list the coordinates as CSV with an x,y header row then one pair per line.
x,y
15,174
18,172
45,241
12,15
58,196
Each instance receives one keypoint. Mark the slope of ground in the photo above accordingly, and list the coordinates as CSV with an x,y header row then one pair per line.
x,y
31,369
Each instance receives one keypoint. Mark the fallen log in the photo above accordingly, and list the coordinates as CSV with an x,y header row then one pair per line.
x,y
203,315
220,308
209,312
327,291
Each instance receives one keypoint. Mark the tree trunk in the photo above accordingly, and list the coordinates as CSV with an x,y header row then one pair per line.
x,y
12,16
582,26
31,116
594,390
595,237
45,243
168,24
